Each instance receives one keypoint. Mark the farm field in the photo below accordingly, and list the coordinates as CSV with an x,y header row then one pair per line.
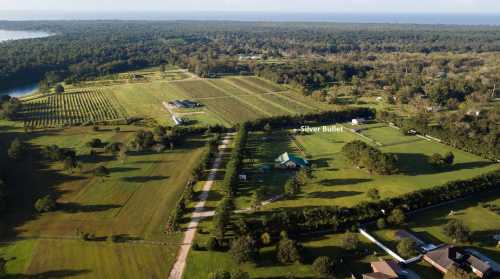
x,y
335,182
225,101
71,108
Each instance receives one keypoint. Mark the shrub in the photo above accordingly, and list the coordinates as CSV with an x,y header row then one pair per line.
x,y
17,149
94,143
101,171
381,223
265,239
407,248
350,241
288,251
373,194
457,230
323,266
45,204
244,249
397,217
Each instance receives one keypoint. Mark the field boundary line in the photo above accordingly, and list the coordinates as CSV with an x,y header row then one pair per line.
x,y
199,214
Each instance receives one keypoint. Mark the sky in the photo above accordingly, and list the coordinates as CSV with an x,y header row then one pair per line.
x,y
330,6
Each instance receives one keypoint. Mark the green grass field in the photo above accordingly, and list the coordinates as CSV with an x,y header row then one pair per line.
x,y
336,182
134,201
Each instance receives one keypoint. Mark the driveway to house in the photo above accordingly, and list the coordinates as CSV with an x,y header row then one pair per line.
x,y
199,214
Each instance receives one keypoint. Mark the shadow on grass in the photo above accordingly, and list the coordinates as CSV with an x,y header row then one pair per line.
x,y
78,208
341,181
62,273
333,194
144,179
418,164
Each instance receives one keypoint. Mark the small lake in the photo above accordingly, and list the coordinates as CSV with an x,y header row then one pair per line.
x,y
20,91
7,35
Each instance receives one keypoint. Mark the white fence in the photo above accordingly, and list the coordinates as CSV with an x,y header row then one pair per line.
x,y
389,251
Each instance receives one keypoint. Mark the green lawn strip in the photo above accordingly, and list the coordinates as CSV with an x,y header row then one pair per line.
x,y
336,182
18,255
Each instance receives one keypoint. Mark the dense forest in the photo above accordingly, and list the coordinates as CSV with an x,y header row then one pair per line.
x,y
84,49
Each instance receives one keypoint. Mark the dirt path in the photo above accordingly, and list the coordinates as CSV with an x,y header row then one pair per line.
x,y
199,213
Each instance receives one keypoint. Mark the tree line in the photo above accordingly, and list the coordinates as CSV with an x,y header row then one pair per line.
x,y
80,50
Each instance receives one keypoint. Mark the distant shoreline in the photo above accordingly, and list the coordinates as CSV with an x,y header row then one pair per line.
x,y
380,18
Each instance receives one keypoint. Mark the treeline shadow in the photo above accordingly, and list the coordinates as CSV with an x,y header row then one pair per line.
x,y
62,273
79,208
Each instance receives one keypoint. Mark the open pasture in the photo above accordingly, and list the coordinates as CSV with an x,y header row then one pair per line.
x,y
71,108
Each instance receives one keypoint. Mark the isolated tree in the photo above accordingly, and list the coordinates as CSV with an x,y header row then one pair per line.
x,y
70,163
407,247
457,230
17,149
94,143
244,249
351,242
449,158
288,251
45,204
101,171
323,266
59,89
397,217
373,194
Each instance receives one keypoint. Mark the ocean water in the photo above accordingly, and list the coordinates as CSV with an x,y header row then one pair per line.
x,y
406,18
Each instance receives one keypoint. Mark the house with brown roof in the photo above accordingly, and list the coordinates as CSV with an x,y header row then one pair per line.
x,y
479,267
443,258
384,270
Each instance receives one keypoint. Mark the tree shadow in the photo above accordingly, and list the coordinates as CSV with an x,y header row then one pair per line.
x,y
143,179
78,208
418,164
62,273
343,181
333,194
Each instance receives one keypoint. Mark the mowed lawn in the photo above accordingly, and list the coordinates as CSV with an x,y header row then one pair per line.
x,y
134,201
336,182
